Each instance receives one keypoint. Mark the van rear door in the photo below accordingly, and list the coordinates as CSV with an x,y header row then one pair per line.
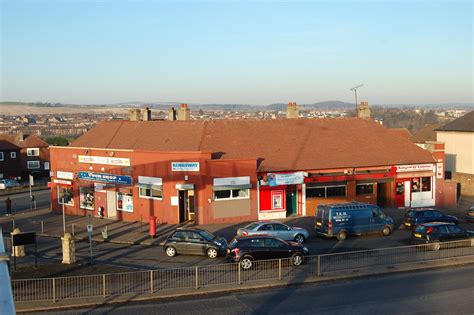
x,y
321,220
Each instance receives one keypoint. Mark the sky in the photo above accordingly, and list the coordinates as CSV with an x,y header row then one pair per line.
x,y
246,52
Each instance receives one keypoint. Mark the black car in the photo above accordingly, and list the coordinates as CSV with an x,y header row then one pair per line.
x,y
246,249
413,218
437,232
470,214
195,242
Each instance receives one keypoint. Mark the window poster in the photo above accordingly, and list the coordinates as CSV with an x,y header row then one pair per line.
x,y
125,202
277,200
86,198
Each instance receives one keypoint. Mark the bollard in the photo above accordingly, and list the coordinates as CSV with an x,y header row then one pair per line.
x,y
197,277
73,229
279,269
42,227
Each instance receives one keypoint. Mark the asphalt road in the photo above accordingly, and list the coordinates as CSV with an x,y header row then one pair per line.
x,y
442,291
21,202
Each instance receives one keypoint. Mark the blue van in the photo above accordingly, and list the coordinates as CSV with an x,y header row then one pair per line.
x,y
353,218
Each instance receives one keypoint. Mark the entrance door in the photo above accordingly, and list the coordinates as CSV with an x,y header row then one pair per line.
x,y
111,204
407,193
381,197
291,202
182,205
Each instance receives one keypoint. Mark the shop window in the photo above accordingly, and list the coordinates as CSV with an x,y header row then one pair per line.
x,y
124,202
152,192
426,184
231,194
32,152
31,165
400,188
415,185
86,198
65,194
317,192
338,191
365,189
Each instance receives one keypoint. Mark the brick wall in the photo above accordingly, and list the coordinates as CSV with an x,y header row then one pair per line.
x,y
466,181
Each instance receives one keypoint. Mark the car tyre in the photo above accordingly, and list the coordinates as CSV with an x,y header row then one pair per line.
x,y
299,239
212,253
246,262
341,235
170,251
297,259
386,231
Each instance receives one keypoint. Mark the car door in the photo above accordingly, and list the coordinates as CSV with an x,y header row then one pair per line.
x,y
276,249
258,249
456,233
282,231
443,233
267,229
196,245
178,240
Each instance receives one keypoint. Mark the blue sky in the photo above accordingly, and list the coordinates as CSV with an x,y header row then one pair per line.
x,y
253,52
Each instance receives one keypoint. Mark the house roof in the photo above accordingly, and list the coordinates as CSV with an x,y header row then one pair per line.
x,y
33,141
401,132
17,141
9,142
464,123
282,144
427,133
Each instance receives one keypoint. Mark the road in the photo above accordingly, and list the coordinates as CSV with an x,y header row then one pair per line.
x,y
21,201
442,291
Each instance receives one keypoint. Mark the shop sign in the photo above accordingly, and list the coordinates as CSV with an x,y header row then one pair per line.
x,y
105,178
103,160
285,179
439,170
185,166
65,175
414,168
63,182
232,181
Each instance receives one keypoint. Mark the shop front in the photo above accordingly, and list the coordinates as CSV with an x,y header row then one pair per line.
x,y
415,185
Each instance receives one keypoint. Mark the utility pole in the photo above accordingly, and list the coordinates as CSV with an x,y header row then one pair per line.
x,y
355,92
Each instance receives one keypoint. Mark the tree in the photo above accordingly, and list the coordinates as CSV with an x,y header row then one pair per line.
x,y
57,141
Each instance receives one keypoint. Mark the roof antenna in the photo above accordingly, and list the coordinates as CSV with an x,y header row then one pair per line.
x,y
355,91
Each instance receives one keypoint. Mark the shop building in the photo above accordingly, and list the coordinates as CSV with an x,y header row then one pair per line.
x,y
237,170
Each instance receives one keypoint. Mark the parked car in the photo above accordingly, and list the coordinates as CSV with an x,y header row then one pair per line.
x,y
246,249
352,218
275,229
436,232
8,183
195,242
470,214
413,218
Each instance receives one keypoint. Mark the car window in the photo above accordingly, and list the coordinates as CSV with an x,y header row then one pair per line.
x,y
411,214
442,229
454,229
206,235
193,236
271,242
280,227
251,226
257,242
266,227
179,236
427,214
436,214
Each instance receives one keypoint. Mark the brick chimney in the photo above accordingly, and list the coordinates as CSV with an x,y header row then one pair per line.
x,y
363,110
134,114
183,112
146,114
292,110
171,114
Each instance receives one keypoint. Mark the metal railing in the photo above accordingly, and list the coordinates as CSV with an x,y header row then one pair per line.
x,y
189,278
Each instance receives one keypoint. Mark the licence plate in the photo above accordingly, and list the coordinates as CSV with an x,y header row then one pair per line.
x,y
319,223
417,235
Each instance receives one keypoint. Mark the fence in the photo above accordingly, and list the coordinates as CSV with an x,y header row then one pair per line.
x,y
157,281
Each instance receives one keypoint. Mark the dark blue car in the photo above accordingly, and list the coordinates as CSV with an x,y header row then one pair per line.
x,y
413,218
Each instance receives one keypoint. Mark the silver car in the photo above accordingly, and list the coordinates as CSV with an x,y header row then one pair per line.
x,y
275,229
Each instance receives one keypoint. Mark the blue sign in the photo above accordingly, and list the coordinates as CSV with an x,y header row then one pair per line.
x,y
105,178
285,179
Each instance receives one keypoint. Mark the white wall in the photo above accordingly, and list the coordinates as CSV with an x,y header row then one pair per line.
x,y
459,148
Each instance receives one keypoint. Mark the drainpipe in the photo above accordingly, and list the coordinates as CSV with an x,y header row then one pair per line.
x,y
258,196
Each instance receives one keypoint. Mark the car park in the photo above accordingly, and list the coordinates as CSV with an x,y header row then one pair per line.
x,y
413,217
470,214
276,229
354,218
436,232
246,249
8,183
194,241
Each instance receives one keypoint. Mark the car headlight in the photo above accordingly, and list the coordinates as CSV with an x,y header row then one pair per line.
x,y
218,243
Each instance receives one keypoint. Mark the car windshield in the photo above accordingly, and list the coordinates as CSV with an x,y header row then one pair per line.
x,y
206,235
410,214
251,226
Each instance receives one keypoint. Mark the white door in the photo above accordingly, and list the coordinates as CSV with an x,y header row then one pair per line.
x,y
407,193
111,204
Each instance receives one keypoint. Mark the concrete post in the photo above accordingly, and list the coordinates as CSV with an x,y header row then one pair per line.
x,y
69,249
18,251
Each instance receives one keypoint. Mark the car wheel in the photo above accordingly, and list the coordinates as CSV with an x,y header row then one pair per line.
x,y
170,251
299,238
297,259
212,253
386,231
341,235
435,246
246,262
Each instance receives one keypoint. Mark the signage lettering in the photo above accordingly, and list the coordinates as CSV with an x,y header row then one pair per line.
x,y
105,178
414,168
285,179
185,166
103,160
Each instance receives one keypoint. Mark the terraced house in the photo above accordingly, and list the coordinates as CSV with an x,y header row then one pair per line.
x,y
238,170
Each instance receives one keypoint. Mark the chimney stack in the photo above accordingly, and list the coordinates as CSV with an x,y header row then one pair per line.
x,y
171,114
363,110
292,110
146,114
183,112
134,114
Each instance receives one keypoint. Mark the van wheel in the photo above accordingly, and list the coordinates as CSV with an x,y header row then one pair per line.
x,y
246,262
341,235
299,238
386,231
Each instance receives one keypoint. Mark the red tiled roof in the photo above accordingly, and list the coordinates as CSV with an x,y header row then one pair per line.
x,y
33,141
9,142
427,133
401,132
20,141
283,144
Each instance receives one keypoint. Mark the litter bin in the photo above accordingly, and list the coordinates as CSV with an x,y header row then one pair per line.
x,y
152,226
